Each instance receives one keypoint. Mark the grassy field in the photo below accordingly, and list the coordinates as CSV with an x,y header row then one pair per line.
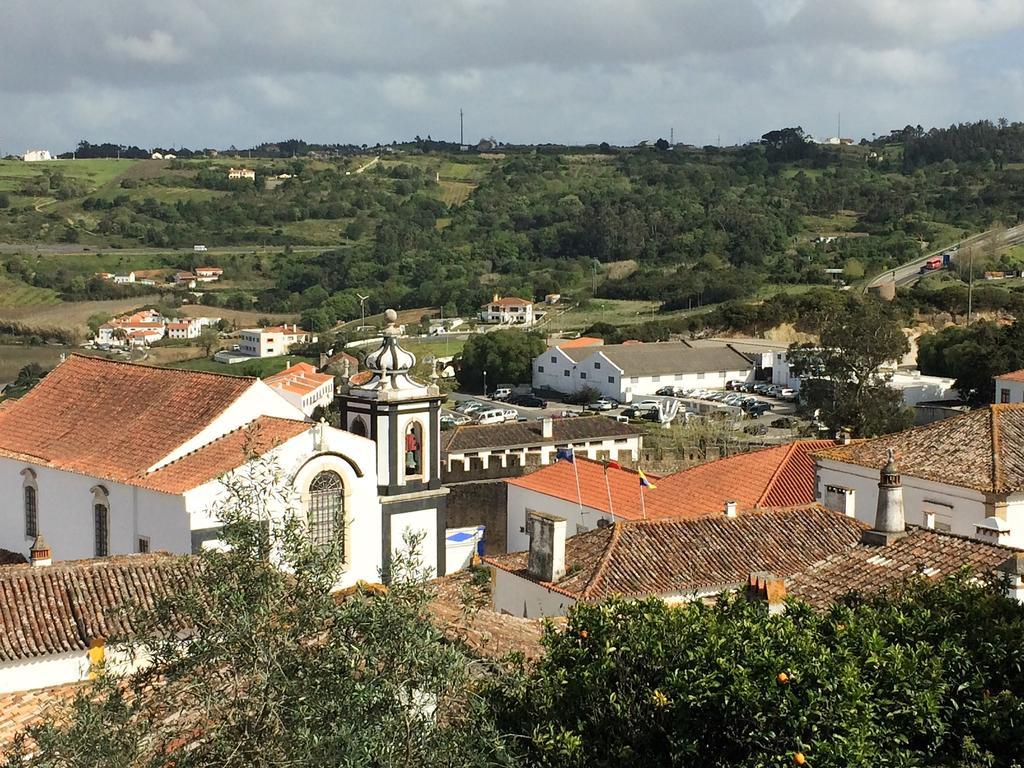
x,y
324,231
71,314
438,347
94,173
14,357
455,192
262,367
613,311
15,293
840,222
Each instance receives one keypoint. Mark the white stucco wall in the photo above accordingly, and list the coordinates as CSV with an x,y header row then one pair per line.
x,y
65,514
522,499
961,508
61,668
1014,389
527,599
589,448
423,521
257,400
549,370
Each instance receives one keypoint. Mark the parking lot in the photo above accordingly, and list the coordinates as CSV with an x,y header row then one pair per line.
x,y
695,405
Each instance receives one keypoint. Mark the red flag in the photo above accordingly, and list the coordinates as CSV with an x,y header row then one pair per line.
x,y
613,464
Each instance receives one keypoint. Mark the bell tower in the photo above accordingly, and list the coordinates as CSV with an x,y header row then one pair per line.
x,y
403,417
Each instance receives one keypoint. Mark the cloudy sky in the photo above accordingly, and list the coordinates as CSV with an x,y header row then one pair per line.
x,y
219,72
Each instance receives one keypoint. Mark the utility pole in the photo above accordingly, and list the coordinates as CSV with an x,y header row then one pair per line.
x,y
462,133
970,286
672,136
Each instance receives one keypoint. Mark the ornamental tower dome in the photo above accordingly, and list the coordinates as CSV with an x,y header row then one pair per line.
x,y
390,365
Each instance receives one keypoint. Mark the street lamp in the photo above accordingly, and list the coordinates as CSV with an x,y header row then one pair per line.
x,y
485,383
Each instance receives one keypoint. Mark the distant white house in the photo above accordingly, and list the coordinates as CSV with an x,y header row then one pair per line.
x,y
242,173
208,274
37,155
1010,387
273,341
508,311
625,371
303,386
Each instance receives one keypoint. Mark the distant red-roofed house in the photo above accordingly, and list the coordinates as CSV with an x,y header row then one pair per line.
x,y
302,386
1010,387
208,274
510,310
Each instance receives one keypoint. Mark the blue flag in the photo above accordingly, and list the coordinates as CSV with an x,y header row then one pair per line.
x,y
565,453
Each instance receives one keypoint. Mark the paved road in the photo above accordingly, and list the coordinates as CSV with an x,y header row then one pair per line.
x,y
908,273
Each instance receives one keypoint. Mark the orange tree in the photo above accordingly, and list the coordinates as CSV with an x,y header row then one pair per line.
x,y
930,675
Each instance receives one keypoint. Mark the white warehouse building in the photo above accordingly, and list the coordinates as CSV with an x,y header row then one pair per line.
x,y
624,372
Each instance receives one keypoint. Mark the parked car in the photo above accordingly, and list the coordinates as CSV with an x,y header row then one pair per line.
x,y
747,386
603,404
759,409
455,419
787,393
734,384
647,405
665,391
501,393
761,388
528,401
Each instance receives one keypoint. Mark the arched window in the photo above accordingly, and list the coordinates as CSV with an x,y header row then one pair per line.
x,y
414,450
358,427
327,511
31,497
101,520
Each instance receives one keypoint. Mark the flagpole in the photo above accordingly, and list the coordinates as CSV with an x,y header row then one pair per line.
x,y
608,487
643,505
576,471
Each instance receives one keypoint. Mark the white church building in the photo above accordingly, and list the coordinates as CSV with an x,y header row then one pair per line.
x,y
109,458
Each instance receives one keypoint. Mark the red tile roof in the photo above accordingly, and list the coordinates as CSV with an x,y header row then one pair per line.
x,y
582,341
22,709
224,454
301,378
509,301
113,420
782,476
982,450
559,480
922,553
64,607
1012,376
659,557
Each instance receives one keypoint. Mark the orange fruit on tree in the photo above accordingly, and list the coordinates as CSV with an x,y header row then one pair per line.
x,y
799,758
782,678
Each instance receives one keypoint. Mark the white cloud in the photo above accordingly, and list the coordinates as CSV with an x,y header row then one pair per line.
x,y
158,47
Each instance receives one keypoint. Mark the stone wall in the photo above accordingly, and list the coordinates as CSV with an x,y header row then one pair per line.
x,y
481,503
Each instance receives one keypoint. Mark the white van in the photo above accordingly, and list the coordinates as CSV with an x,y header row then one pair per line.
x,y
492,416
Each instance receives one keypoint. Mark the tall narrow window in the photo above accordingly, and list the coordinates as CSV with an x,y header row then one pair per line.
x,y
101,519
30,495
31,513
327,512
414,450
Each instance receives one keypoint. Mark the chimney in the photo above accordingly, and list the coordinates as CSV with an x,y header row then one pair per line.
x,y
769,589
730,509
546,560
890,523
1014,570
547,427
40,554
843,437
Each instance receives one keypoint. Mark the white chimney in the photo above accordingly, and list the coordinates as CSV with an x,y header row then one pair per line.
x,y
546,561
843,437
730,509
40,554
890,521
547,427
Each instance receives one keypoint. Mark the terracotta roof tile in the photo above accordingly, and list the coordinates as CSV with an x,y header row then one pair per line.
x,y
301,378
559,481
866,569
223,454
1012,376
475,437
580,341
113,420
782,476
680,556
21,709
982,449
63,607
